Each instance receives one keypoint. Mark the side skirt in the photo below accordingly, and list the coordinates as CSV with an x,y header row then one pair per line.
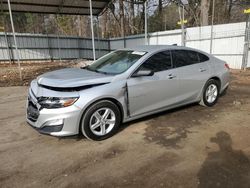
x,y
157,111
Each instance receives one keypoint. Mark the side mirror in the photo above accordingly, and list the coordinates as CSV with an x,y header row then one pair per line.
x,y
143,73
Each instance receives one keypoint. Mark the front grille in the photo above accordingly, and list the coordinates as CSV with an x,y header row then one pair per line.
x,y
32,110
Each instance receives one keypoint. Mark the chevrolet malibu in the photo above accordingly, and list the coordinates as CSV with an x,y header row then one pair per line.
x,y
122,86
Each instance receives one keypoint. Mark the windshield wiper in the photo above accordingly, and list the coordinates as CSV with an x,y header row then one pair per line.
x,y
101,72
97,71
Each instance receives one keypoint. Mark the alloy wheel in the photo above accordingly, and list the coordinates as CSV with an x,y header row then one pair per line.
x,y
211,93
102,121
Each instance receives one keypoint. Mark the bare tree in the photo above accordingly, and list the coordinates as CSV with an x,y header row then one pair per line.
x,y
204,8
121,11
132,16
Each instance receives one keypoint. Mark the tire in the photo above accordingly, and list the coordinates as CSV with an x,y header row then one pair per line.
x,y
210,93
101,120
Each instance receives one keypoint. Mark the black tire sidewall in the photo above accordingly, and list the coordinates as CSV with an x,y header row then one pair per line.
x,y
85,129
210,82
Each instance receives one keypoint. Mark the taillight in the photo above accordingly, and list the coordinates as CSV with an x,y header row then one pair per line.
x,y
227,66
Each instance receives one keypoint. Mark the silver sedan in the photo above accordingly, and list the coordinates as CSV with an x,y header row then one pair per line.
x,y
122,86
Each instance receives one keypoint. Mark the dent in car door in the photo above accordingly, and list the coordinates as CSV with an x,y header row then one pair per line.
x,y
149,93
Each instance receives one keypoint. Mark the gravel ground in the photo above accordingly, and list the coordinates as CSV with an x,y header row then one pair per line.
x,y
188,147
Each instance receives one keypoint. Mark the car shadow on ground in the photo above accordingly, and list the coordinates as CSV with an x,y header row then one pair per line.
x,y
77,137
123,126
156,115
227,168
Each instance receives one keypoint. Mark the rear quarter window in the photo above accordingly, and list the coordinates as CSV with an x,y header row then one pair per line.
x,y
202,57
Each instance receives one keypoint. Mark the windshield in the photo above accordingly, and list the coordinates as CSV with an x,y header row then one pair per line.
x,y
116,62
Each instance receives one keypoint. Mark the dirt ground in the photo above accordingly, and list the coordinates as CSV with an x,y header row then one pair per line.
x,y
188,147
9,73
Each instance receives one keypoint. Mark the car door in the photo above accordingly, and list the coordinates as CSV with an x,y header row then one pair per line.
x,y
193,73
149,93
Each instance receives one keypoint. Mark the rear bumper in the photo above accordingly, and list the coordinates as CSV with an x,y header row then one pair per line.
x,y
225,80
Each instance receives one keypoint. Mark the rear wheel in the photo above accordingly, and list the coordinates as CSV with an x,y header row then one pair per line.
x,y
210,93
101,120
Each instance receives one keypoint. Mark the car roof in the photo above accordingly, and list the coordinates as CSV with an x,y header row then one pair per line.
x,y
156,48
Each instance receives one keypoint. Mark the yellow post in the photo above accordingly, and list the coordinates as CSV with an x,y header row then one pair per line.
x,y
247,11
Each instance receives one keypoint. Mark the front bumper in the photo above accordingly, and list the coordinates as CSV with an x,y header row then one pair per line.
x,y
55,122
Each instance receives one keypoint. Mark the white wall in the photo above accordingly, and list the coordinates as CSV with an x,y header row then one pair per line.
x,y
228,43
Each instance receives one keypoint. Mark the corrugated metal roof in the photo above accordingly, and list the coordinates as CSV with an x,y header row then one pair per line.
x,y
73,7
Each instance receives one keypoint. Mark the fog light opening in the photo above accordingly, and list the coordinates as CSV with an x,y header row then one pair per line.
x,y
54,122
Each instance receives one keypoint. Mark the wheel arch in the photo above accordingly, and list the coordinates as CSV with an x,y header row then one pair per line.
x,y
217,79
113,100
212,78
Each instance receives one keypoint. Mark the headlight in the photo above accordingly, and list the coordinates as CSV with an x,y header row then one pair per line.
x,y
56,102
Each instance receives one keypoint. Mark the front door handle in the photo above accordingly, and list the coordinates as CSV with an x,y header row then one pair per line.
x,y
171,76
202,70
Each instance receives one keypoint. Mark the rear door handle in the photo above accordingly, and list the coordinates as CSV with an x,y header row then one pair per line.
x,y
171,76
202,70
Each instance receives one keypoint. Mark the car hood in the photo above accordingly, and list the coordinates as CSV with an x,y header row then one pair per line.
x,y
72,77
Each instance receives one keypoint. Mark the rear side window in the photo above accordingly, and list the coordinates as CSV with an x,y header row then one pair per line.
x,y
202,57
158,62
184,57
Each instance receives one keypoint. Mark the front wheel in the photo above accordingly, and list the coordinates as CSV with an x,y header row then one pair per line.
x,y
101,120
210,93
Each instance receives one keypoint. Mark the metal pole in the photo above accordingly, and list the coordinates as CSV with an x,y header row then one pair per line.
x,y
146,23
15,41
5,33
48,39
165,22
98,38
7,45
79,36
59,47
183,30
246,44
182,26
212,29
92,29
58,42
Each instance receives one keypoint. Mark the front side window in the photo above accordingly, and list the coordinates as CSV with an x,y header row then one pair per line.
x,y
184,57
116,62
158,62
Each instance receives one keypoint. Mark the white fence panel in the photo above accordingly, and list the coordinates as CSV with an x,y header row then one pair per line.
x,y
228,44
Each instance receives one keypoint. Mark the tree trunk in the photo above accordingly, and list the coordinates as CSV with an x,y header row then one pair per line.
x,y
132,17
79,25
205,4
104,24
160,6
160,15
121,7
